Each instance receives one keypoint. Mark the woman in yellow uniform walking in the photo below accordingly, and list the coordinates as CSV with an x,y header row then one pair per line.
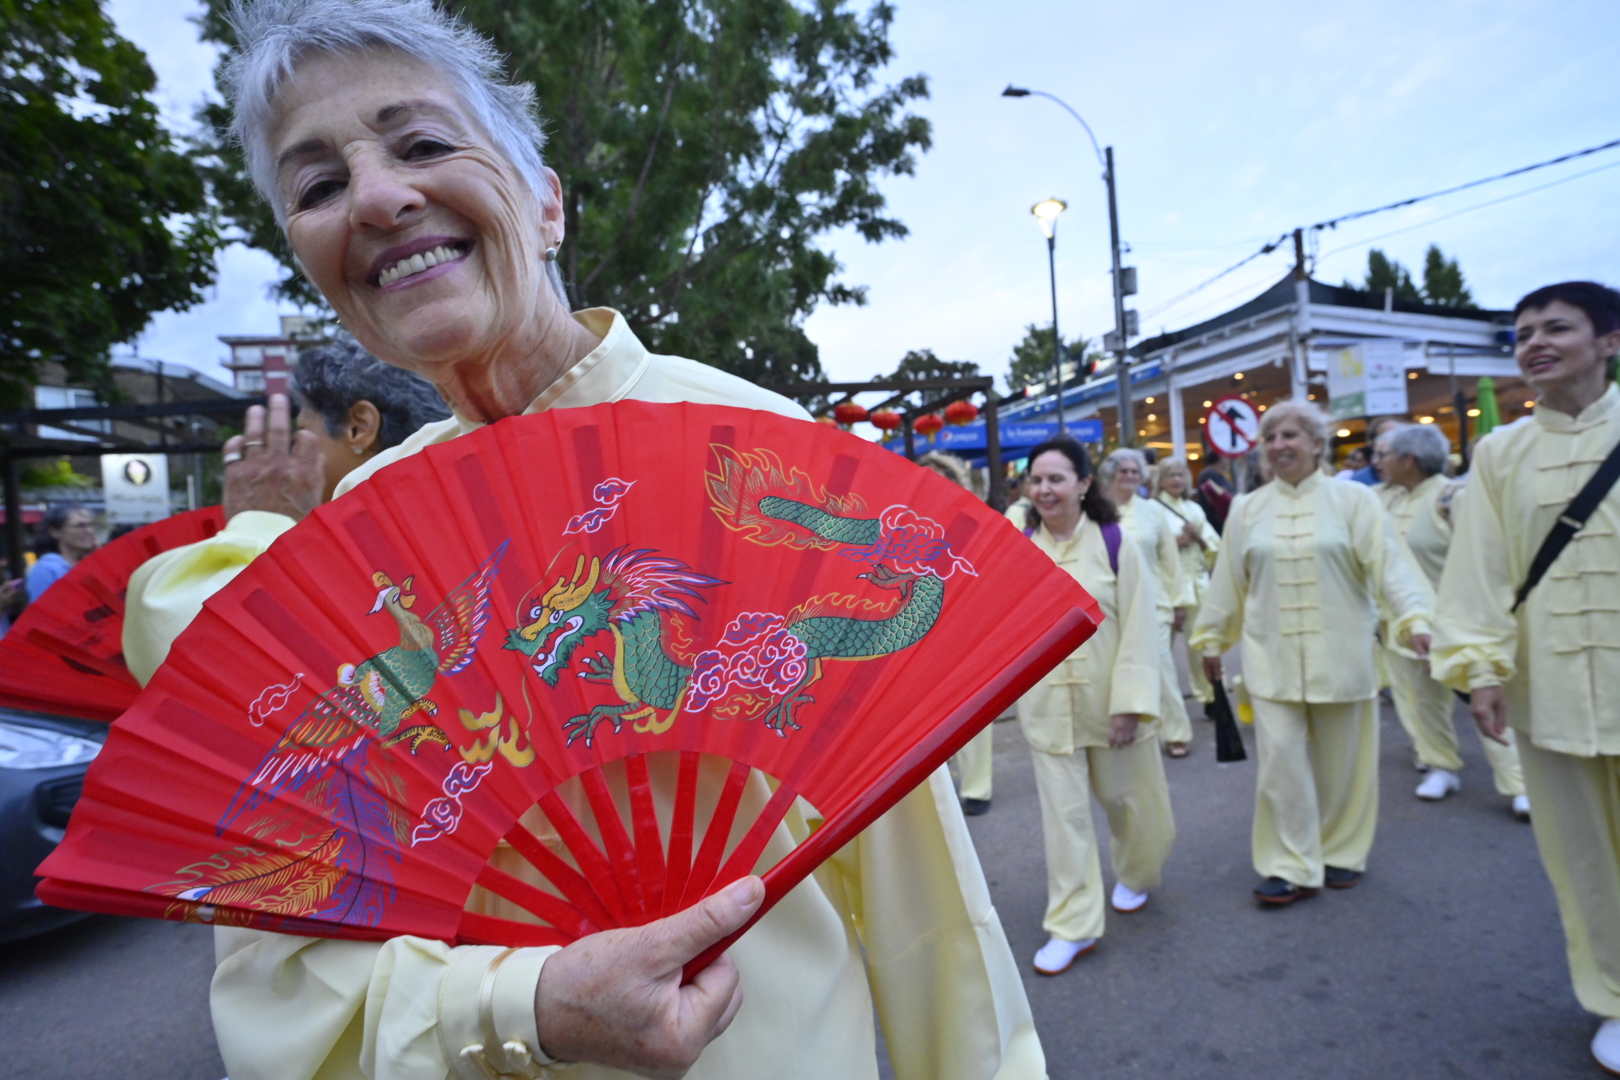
x,y
1090,722
1418,496
1305,565
1198,544
1154,529
1541,655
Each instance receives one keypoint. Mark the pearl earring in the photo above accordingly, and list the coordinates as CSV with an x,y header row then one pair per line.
x,y
357,451
551,254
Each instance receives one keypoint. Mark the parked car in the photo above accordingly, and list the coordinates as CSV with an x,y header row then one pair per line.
x,y
43,760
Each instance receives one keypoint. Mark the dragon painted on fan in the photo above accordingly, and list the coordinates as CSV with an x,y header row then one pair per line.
x,y
633,595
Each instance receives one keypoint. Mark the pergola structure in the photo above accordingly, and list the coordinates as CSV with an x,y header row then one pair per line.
x,y
946,390
101,429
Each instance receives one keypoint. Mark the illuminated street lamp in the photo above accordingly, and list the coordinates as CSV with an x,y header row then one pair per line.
x,y
1124,276
1046,212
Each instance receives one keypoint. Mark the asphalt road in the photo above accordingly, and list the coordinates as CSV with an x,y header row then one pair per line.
x,y
1446,962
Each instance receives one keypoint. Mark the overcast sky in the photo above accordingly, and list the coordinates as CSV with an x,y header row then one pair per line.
x,y
1231,124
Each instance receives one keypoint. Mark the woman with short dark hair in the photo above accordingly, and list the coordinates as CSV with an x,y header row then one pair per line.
x,y
67,535
1091,722
1546,660
356,405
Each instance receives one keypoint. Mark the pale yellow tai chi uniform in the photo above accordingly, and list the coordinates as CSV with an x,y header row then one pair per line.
x,y
975,765
1065,719
1300,579
1557,659
1154,529
1196,563
1427,709
899,922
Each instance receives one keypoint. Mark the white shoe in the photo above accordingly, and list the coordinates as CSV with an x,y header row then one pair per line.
x,y
1606,1046
1438,784
1056,955
1521,807
1127,899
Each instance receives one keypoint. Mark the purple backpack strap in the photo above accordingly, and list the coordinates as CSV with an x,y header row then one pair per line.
x,y
1111,537
1030,533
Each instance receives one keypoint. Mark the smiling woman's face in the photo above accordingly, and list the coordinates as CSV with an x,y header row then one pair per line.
x,y
421,235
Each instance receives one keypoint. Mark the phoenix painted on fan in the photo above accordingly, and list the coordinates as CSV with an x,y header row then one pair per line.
x,y
764,663
332,829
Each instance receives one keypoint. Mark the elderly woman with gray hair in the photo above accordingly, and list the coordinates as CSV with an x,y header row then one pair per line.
x,y
1411,461
1155,528
1307,563
406,173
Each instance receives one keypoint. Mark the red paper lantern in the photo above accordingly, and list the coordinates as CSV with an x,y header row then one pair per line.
x,y
928,423
848,412
961,412
885,420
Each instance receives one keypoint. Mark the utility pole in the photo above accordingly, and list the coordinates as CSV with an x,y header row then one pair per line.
x,y
1057,338
1122,365
1302,319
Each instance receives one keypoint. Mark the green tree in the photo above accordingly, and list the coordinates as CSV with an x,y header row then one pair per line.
x,y
924,364
1032,358
103,222
1443,283
1385,273
703,147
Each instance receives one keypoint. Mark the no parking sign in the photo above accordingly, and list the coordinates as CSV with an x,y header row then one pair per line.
x,y
1232,426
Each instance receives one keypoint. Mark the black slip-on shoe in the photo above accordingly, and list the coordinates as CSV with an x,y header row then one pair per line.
x,y
1276,892
975,807
1335,878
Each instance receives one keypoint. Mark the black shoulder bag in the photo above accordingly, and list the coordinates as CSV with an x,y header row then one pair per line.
x,y
1570,522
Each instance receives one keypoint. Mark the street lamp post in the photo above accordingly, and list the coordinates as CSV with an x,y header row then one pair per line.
x,y
1046,212
1124,278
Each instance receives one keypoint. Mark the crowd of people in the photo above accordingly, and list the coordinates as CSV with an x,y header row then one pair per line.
x,y
378,130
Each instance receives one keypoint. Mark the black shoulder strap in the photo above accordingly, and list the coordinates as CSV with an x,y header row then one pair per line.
x,y
1570,522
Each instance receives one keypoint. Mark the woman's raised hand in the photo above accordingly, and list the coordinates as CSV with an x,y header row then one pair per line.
x,y
270,468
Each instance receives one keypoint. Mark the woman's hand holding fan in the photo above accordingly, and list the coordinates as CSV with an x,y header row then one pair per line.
x,y
566,674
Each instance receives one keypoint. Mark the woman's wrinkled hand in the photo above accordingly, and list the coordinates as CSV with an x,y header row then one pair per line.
x,y
1488,705
616,999
270,468
1212,669
1420,645
1180,623
1122,729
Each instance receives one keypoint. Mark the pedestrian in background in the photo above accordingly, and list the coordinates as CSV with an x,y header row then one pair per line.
x,y
68,534
1306,563
975,762
1154,529
1534,630
356,406
1090,721
1198,544
1412,459
1215,496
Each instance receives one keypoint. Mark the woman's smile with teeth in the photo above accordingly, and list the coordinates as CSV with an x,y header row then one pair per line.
x,y
422,260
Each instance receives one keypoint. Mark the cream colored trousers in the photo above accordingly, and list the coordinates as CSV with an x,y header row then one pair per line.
x,y
1427,711
1195,663
1130,785
1174,727
1575,811
1316,791
974,765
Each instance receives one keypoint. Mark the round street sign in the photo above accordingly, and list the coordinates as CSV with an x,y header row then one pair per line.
x,y
1232,426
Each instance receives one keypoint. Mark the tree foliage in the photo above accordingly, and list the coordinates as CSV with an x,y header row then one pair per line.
x,y
1032,358
103,222
1443,284
703,147
922,364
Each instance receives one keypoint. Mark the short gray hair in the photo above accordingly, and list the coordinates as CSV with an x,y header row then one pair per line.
x,y
1110,464
274,36
333,376
1423,443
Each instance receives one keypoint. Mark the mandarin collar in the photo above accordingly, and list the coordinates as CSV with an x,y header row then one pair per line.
x,y
1301,489
607,373
1595,413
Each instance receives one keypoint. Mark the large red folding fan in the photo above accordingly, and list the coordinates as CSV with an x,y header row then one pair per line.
x,y
515,689
65,654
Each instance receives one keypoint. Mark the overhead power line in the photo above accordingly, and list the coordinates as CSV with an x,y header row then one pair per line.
x,y
1333,223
